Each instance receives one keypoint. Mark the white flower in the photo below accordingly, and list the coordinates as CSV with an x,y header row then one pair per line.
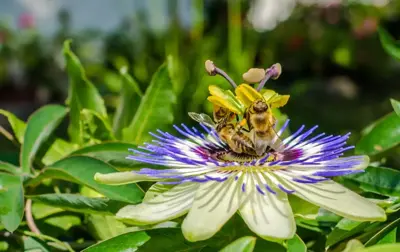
x,y
210,183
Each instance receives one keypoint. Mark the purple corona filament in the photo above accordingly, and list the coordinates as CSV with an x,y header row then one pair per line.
x,y
201,156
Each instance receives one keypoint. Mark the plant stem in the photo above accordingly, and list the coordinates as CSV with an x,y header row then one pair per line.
x,y
234,33
29,218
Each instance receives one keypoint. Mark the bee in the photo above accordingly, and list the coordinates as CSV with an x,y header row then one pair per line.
x,y
255,134
228,131
261,123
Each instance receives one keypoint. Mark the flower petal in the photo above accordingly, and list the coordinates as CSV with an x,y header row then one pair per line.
x,y
214,204
155,190
121,178
166,206
269,215
338,199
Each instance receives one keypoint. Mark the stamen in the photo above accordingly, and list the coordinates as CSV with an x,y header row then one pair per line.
x,y
273,72
213,70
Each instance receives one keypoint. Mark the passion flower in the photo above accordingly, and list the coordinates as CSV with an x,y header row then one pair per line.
x,y
207,181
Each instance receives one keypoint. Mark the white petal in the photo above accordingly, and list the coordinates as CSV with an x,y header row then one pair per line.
x,y
338,199
166,206
121,178
214,204
155,190
269,216
266,213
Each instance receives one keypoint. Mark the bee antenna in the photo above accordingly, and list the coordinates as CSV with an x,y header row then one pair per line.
x,y
212,70
273,72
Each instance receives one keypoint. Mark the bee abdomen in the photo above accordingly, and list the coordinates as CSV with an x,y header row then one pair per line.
x,y
244,143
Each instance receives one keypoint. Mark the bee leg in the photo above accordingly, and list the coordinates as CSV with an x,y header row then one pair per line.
x,y
239,126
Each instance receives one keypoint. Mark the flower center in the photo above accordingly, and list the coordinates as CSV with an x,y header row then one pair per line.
x,y
231,156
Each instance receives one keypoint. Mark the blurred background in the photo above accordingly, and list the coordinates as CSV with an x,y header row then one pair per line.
x,y
334,67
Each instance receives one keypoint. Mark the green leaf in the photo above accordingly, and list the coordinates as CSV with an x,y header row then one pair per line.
x,y
244,244
18,126
54,242
338,235
396,106
353,246
389,238
130,82
64,222
302,208
82,94
383,231
104,227
129,101
384,135
389,44
34,245
39,128
112,81
155,110
346,224
310,224
4,246
11,201
40,210
58,149
166,224
79,203
296,244
177,72
6,167
327,216
81,169
381,248
171,239
95,128
122,243
380,180
114,153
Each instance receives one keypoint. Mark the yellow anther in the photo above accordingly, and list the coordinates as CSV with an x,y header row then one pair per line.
x,y
254,75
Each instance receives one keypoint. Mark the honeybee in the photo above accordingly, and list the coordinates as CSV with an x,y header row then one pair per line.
x,y
229,132
261,123
255,134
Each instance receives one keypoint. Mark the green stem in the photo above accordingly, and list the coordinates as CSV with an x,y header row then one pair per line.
x,y
234,33
198,19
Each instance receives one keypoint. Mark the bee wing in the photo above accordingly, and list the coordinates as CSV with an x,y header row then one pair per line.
x,y
202,118
277,142
225,99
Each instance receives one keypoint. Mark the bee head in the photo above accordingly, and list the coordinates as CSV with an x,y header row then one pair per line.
x,y
259,106
220,112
